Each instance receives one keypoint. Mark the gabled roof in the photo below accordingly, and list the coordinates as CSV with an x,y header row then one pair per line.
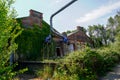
x,y
79,35
72,33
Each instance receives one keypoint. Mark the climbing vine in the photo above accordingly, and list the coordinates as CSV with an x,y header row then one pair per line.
x,y
32,42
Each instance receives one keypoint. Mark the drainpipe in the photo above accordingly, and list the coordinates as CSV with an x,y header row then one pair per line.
x,y
64,7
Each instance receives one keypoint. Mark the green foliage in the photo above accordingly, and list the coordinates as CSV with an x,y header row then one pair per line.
x,y
9,30
98,34
31,42
45,73
113,27
88,64
93,61
68,32
72,31
116,45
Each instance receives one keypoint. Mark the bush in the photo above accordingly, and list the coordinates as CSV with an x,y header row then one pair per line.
x,y
88,64
45,73
94,62
110,57
9,30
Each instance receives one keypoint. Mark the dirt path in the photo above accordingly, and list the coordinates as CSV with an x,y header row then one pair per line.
x,y
26,77
113,75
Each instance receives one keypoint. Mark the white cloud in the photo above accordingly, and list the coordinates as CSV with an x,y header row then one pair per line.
x,y
97,13
58,1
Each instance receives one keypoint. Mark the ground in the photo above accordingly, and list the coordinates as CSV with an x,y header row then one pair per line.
x,y
26,77
114,74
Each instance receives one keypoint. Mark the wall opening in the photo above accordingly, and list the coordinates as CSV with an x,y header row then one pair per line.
x,y
58,51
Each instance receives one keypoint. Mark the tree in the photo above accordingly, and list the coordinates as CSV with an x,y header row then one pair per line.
x,y
9,30
113,27
98,34
68,31
117,21
117,32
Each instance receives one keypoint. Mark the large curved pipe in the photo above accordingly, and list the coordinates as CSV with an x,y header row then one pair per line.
x,y
51,18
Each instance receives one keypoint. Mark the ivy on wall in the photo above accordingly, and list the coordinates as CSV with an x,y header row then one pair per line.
x,y
31,42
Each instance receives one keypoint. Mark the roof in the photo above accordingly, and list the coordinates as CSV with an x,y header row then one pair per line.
x,y
72,33
35,11
79,36
56,32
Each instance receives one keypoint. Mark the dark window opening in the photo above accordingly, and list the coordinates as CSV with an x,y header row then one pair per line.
x,y
58,51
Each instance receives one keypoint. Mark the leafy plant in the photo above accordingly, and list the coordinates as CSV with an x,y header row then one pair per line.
x,y
45,73
9,30
87,64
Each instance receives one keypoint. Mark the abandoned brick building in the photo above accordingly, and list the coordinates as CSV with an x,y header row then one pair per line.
x,y
36,18
77,40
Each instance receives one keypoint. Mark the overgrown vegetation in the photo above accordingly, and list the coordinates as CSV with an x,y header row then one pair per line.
x,y
31,42
9,30
83,65
87,64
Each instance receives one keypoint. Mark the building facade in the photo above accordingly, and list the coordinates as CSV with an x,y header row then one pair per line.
x,y
34,18
64,43
78,39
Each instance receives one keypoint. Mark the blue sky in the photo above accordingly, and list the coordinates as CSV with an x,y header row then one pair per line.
x,y
81,13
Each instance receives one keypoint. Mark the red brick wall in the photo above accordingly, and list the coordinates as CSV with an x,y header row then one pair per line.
x,y
80,36
35,18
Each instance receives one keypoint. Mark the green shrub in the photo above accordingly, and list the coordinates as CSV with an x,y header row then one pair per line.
x,y
9,30
94,62
110,58
45,73
87,64
73,67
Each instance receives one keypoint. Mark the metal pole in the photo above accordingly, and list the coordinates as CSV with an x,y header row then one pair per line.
x,y
51,18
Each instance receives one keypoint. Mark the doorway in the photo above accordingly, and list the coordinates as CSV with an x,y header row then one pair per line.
x,y
58,51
